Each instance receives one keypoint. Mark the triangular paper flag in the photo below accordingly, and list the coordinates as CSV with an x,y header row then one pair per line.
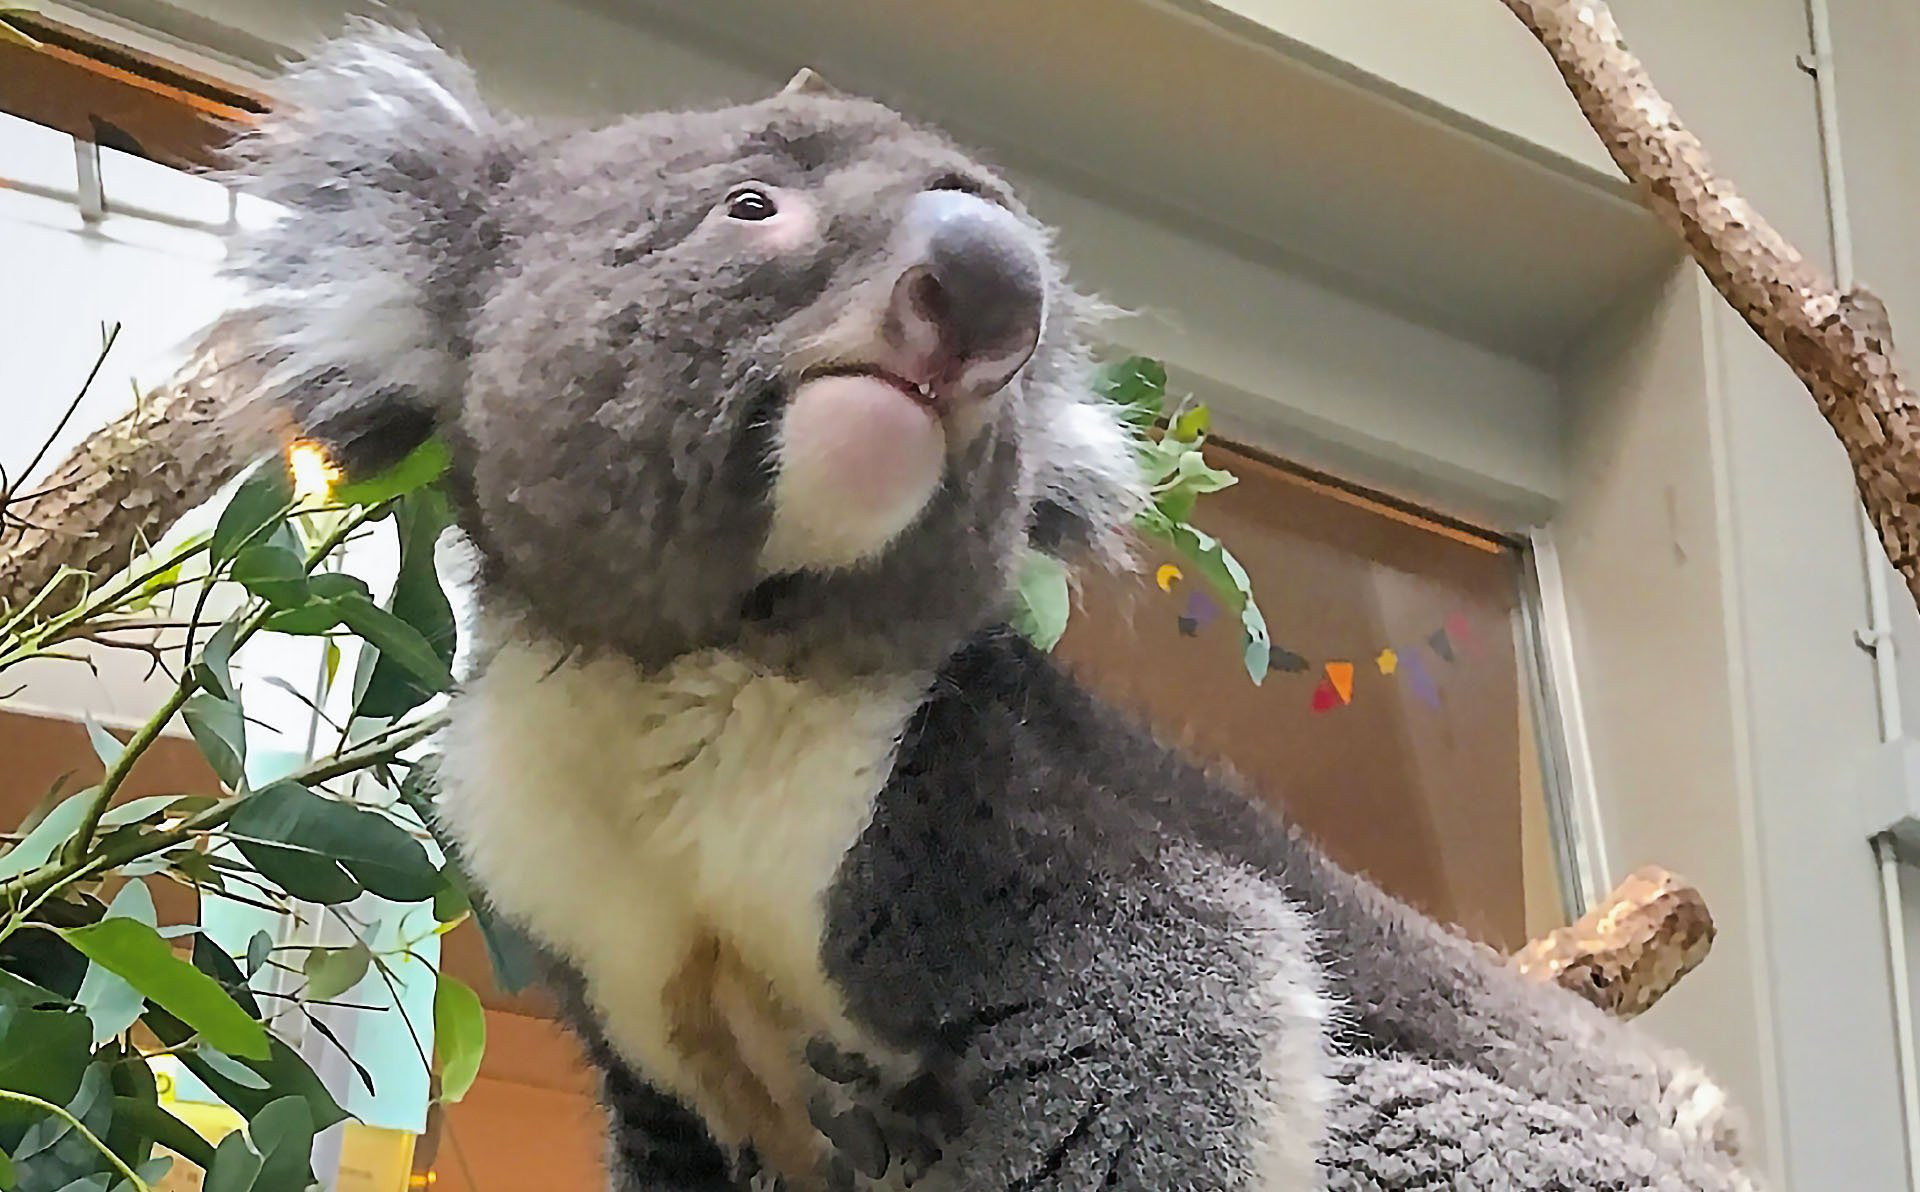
x,y
1325,698
1340,674
1201,609
1460,632
1442,644
1288,661
1417,678
1387,661
1189,627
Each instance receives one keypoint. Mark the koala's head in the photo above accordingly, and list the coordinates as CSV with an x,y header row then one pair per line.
x,y
795,377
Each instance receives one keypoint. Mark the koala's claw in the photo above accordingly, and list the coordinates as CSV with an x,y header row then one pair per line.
x,y
876,1129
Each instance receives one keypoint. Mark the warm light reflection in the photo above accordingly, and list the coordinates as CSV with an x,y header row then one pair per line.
x,y
314,472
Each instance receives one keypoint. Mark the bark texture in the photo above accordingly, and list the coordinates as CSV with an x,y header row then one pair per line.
x,y
1626,953
1839,344
133,478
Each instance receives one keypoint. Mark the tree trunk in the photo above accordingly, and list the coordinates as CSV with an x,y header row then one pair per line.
x,y
1627,952
127,483
1838,344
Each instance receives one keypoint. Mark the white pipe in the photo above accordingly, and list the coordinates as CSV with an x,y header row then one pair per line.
x,y
1878,637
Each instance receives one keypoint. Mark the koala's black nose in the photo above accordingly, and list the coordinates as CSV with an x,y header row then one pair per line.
x,y
974,298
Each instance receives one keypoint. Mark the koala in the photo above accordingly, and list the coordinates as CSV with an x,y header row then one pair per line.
x,y
752,413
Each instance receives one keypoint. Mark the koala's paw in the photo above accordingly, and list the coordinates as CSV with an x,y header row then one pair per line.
x,y
879,1129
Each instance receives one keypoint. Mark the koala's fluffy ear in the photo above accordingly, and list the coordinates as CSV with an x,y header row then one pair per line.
x,y
354,305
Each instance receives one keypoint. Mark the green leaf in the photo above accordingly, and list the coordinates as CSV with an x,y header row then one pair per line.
x,y
459,1035
135,811
1044,599
1214,563
212,959
9,1174
399,641
306,876
307,620
236,1167
151,1173
261,500
131,1137
259,947
221,732
285,1072
47,836
273,573
213,667
283,1135
450,901
165,1129
331,972
108,998
93,1105
106,746
420,468
22,993
1138,384
137,952
382,856
43,1053
1191,425
393,689
232,1069
338,585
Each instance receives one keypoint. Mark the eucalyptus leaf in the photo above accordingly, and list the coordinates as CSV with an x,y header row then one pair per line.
x,y
1138,384
399,641
284,1072
111,1002
235,1168
106,746
20,992
273,573
459,1035
395,688
43,1053
282,1133
213,667
1045,600
212,959
232,1069
262,499
259,947
9,1174
220,730
331,972
39,845
1214,563
321,616
136,952
380,855
421,467
166,1129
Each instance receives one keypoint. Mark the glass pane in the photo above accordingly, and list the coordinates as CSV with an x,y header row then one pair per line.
x,y
135,184
1394,726
34,155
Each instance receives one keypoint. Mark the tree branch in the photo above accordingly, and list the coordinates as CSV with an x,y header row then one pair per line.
x,y
1839,344
1626,953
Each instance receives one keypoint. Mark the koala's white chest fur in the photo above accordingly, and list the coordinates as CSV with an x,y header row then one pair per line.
x,y
674,836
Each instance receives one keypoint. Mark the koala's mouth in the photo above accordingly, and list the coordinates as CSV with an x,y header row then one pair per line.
x,y
920,392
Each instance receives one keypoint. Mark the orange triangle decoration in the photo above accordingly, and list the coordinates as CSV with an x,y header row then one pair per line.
x,y
1340,674
1325,698
1387,661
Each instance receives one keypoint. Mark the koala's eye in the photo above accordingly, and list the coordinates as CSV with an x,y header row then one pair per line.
x,y
750,203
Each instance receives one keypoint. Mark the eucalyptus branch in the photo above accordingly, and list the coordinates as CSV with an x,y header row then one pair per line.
x,y
36,883
119,1165
144,737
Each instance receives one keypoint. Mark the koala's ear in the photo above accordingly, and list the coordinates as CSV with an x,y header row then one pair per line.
x,y
1089,484
354,304
808,82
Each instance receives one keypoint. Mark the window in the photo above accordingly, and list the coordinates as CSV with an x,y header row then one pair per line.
x,y
1397,722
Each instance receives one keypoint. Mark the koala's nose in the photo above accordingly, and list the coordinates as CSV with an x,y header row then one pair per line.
x,y
974,298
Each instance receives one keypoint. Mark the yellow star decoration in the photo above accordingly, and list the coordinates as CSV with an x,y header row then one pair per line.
x,y
1388,662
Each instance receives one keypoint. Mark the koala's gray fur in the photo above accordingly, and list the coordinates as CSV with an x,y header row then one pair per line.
x,y
1061,956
